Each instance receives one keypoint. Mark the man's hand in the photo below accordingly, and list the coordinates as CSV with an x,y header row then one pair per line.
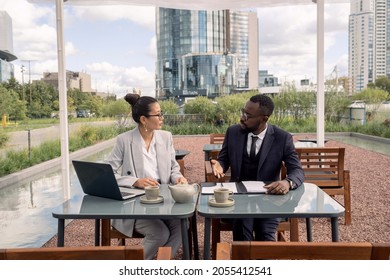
x,y
278,187
217,169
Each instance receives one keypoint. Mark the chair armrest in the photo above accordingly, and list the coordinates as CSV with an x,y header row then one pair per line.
x,y
207,167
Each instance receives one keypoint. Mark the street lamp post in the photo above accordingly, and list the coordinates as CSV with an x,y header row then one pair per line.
x,y
29,75
22,70
29,79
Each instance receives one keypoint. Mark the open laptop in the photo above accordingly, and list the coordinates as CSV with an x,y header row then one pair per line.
x,y
98,179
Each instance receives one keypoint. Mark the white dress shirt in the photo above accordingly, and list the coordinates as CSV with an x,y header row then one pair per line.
x,y
261,136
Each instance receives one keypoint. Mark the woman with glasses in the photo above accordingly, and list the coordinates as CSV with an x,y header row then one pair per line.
x,y
146,157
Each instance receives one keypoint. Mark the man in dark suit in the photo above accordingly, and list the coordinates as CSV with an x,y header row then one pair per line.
x,y
255,150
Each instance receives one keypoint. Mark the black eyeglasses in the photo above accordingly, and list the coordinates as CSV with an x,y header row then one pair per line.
x,y
160,115
245,116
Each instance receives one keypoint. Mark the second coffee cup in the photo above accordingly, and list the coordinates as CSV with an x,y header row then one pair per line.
x,y
152,192
221,195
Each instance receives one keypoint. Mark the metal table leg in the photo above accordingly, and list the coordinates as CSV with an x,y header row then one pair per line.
x,y
335,229
184,236
195,237
308,230
97,232
207,224
61,233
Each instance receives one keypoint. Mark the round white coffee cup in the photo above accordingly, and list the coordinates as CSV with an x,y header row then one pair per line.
x,y
221,195
152,192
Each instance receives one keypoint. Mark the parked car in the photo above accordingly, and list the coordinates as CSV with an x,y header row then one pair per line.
x,y
84,114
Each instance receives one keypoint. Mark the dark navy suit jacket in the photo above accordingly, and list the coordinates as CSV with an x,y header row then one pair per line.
x,y
277,147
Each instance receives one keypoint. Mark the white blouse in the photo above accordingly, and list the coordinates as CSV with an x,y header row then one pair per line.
x,y
150,159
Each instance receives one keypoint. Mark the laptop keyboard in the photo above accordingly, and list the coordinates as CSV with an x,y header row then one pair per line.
x,y
126,193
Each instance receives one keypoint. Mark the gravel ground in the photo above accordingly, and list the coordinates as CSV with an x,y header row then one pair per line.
x,y
370,188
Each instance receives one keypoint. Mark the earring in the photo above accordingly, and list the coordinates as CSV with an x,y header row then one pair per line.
x,y
146,129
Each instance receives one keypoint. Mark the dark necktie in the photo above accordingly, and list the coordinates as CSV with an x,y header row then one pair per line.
x,y
252,153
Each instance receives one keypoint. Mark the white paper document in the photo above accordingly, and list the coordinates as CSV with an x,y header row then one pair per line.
x,y
210,190
250,187
254,186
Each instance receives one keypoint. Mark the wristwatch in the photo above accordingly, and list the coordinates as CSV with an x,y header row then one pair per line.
x,y
292,184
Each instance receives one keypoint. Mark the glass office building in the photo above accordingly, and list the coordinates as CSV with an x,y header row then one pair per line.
x,y
6,48
204,52
6,70
209,75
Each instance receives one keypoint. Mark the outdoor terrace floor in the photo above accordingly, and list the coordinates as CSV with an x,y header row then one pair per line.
x,y
369,190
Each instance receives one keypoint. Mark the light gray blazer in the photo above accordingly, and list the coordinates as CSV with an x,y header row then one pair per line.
x,y
127,156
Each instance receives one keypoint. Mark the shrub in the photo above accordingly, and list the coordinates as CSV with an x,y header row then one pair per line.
x,y
3,139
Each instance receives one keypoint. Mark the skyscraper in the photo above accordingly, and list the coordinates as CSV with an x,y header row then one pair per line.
x,y
361,40
369,42
6,47
207,53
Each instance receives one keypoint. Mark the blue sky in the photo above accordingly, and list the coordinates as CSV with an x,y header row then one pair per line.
x,y
116,44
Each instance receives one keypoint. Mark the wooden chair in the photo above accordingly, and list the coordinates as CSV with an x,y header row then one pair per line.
x,y
325,168
181,164
135,252
209,175
247,250
217,138
218,225
109,232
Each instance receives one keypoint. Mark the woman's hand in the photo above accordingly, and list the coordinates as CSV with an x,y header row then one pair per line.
x,y
181,180
217,169
145,182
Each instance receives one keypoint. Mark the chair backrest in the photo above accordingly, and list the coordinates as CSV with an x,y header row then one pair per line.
x,y
135,252
247,250
324,166
217,138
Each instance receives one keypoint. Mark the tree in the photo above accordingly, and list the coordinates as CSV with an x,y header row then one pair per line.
x,y
13,84
201,105
335,106
381,83
42,102
11,105
96,105
290,103
228,107
169,107
115,108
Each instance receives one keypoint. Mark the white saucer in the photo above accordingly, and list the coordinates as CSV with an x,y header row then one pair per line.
x,y
212,202
149,201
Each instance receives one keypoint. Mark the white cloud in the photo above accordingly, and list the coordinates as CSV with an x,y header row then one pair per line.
x,y
121,79
144,16
152,51
288,40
